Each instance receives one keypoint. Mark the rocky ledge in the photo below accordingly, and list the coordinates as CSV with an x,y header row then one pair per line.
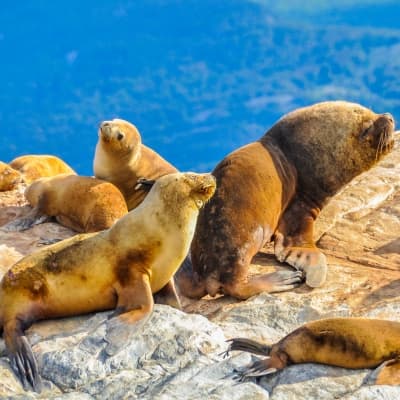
x,y
178,355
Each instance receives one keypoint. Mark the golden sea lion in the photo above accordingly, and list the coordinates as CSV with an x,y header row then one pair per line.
x,y
122,159
342,342
9,177
33,167
273,190
81,203
119,268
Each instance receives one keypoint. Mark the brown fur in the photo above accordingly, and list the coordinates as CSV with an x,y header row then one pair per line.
x,y
33,167
9,177
118,268
274,189
82,203
342,342
122,159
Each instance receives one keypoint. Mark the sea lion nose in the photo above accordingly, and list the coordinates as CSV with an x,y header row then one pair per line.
x,y
105,124
389,116
105,127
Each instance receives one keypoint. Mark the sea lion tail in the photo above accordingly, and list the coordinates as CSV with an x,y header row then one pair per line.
x,y
187,282
249,345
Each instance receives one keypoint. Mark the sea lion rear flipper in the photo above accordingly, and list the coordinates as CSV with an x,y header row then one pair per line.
x,y
135,304
388,373
258,368
248,345
167,295
278,281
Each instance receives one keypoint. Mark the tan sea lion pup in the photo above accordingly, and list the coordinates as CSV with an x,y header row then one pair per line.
x,y
33,167
122,159
273,190
81,203
119,268
9,177
342,342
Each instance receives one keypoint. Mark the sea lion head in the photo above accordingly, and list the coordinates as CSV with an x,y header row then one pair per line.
x,y
179,188
330,143
120,136
377,137
9,177
34,191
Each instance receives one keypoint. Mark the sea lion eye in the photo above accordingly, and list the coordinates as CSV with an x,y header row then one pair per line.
x,y
366,128
120,136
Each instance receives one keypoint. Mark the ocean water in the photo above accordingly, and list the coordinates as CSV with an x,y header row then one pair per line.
x,y
198,78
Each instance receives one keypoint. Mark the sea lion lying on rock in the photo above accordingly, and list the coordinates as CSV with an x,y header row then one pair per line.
x,y
33,167
119,268
273,190
342,342
81,203
122,159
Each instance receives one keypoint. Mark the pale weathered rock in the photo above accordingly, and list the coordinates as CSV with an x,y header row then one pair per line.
x,y
178,355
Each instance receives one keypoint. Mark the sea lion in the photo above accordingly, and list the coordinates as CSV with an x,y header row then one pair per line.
x,y
81,203
342,342
273,190
118,268
9,177
33,167
121,158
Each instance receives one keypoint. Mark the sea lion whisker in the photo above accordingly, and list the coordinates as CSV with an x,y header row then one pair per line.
x,y
378,147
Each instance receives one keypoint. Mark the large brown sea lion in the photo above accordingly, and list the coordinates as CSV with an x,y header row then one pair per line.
x,y
119,268
81,203
33,167
274,189
342,342
122,159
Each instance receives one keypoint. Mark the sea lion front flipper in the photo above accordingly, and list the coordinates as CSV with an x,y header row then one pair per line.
x,y
135,304
33,218
167,295
388,373
294,243
21,357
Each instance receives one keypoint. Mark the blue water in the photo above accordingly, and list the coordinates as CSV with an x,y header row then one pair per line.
x,y
198,78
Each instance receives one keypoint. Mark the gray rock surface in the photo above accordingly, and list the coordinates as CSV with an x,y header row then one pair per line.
x,y
177,355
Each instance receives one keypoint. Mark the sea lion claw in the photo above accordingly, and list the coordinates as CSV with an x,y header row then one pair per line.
x,y
24,365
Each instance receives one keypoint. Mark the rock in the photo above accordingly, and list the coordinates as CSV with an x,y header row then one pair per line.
x,y
177,355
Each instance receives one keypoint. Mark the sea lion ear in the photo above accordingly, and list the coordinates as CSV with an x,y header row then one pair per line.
x,y
143,183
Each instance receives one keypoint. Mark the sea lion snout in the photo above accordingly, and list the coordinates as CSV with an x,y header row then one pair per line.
x,y
381,133
204,185
389,117
105,129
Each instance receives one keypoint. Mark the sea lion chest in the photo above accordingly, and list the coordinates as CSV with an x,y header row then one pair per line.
x,y
171,253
